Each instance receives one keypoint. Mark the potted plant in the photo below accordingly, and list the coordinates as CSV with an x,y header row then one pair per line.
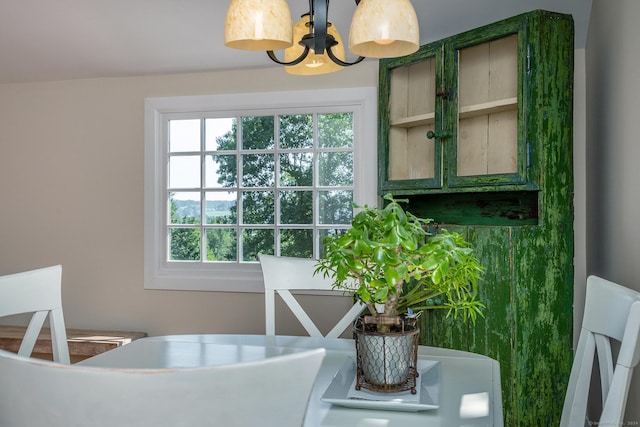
x,y
391,263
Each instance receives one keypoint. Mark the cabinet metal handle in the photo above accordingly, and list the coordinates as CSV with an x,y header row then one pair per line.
x,y
431,134
442,93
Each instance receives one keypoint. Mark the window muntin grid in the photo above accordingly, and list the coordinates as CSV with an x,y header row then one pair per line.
x,y
240,185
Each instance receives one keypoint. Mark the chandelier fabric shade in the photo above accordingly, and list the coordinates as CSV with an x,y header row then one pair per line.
x,y
258,25
384,29
379,29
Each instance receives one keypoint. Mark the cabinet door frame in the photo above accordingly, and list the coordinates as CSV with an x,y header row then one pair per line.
x,y
524,169
426,52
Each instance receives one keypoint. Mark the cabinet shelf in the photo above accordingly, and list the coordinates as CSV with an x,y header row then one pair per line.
x,y
488,107
465,112
419,120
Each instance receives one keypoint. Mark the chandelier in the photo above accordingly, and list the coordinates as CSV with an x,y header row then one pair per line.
x,y
379,29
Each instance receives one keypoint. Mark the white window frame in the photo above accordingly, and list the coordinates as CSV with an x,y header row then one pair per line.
x,y
240,277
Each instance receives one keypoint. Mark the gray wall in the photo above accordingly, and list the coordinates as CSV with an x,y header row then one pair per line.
x,y
613,150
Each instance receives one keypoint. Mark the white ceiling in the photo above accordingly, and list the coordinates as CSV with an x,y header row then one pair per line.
x,y
42,40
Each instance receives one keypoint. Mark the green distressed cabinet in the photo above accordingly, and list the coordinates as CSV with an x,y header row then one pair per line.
x,y
476,132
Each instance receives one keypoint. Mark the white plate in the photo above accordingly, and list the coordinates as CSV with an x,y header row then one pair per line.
x,y
339,390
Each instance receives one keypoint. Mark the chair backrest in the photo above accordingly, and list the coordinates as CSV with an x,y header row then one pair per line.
x,y
270,392
37,292
611,312
283,274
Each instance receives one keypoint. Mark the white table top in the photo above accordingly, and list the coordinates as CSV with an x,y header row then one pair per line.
x,y
463,376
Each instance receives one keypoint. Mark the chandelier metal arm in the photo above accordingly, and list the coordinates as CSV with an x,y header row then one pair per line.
x,y
296,61
341,62
318,38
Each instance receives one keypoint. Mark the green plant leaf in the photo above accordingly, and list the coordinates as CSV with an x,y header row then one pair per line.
x,y
382,294
379,255
409,245
436,276
391,275
430,264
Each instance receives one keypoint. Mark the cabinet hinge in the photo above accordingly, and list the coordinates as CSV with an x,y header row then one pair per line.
x,y
528,60
528,155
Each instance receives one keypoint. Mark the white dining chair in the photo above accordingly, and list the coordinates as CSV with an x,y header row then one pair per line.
x,y
284,274
611,312
272,392
37,292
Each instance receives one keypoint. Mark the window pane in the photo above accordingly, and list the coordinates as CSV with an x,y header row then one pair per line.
x,y
222,244
257,133
335,130
221,207
220,171
296,169
258,207
229,197
220,134
255,241
325,233
296,207
296,243
184,135
296,131
336,169
335,207
258,170
184,171
184,207
184,244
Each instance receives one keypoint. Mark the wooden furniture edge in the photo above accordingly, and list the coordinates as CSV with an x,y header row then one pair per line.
x,y
83,343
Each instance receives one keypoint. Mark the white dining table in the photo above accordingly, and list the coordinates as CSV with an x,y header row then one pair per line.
x,y
468,393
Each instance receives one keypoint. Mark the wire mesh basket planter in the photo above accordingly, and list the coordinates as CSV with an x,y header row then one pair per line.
x,y
386,361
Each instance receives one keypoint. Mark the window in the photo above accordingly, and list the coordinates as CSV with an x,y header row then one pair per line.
x,y
230,176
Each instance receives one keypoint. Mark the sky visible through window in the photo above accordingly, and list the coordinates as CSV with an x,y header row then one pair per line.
x,y
185,137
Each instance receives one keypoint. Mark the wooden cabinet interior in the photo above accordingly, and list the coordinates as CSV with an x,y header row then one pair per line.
x,y
487,125
466,94
412,114
488,108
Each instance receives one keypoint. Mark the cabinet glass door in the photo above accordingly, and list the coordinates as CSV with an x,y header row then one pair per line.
x,y
413,159
487,143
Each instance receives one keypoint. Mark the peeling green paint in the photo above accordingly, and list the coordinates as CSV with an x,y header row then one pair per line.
x,y
528,285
